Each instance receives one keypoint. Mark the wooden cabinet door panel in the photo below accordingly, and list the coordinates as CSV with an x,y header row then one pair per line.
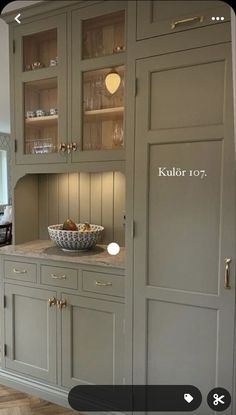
x,y
30,332
92,342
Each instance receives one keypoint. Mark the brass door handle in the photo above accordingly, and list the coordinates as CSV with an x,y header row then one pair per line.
x,y
176,23
227,273
103,284
61,303
19,271
58,277
52,301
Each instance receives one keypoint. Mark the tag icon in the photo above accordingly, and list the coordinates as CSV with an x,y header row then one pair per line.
x,y
188,398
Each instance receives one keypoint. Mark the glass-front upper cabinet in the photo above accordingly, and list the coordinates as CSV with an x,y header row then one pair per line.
x,y
98,79
40,84
103,35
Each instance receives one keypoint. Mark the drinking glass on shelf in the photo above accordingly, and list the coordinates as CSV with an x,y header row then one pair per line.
x,y
118,136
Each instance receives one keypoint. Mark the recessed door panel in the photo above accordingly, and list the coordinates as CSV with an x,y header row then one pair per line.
x,y
30,332
184,215
182,347
187,96
93,342
181,344
30,348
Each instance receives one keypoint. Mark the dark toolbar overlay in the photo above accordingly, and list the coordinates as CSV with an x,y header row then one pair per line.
x,y
185,398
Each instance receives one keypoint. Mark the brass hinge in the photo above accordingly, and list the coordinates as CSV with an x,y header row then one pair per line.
x,y
4,301
5,350
14,46
15,146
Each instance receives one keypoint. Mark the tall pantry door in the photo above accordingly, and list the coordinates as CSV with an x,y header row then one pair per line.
x,y
184,223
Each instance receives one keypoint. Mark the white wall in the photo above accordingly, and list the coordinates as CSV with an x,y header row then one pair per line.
x,y
4,66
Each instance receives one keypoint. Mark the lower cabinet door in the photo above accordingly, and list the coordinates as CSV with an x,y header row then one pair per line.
x,y
92,342
30,332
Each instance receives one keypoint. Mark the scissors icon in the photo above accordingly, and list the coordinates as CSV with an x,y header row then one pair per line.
x,y
218,399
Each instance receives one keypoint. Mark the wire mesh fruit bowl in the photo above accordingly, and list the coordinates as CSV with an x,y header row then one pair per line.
x,y
75,240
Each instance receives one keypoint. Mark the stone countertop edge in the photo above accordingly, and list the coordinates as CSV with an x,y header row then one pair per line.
x,y
45,249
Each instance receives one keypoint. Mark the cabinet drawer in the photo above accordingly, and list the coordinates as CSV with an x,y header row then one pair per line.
x,y
60,277
20,271
155,18
98,282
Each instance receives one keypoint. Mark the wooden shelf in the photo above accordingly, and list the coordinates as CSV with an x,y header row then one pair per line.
x,y
105,113
42,121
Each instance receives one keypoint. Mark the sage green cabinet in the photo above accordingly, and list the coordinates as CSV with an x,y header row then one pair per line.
x,y
39,97
54,331
92,341
157,17
30,332
64,111
184,305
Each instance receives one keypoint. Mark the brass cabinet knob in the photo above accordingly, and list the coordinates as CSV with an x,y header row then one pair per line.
x,y
62,147
74,146
71,147
52,301
61,303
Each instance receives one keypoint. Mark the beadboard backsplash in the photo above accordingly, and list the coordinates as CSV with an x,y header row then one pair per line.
x,y
92,197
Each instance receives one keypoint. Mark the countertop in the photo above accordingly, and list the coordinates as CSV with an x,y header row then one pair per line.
x,y
45,249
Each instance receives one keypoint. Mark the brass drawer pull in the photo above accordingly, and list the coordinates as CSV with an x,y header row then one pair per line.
x,y
61,303
58,277
188,20
19,271
103,284
52,301
227,273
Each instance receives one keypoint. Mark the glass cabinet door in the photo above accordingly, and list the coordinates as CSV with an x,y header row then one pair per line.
x,y
98,79
103,35
41,127
103,111
41,116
